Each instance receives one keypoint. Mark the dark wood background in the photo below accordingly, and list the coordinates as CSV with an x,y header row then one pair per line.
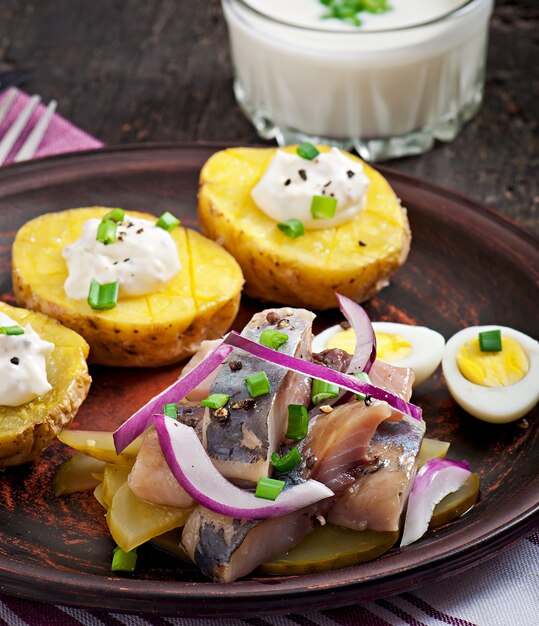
x,y
135,71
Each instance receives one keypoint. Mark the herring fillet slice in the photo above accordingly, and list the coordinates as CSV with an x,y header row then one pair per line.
x,y
241,443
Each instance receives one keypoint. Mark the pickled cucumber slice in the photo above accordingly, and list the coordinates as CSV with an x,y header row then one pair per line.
x,y
100,445
456,503
331,547
432,449
80,473
114,476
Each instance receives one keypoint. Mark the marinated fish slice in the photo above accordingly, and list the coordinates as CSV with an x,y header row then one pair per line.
x,y
203,390
376,500
396,380
241,439
151,478
225,549
338,442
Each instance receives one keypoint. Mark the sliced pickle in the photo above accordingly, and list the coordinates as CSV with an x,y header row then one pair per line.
x,y
170,542
100,445
98,495
432,449
456,503
80,473
114,476
331,547
132,521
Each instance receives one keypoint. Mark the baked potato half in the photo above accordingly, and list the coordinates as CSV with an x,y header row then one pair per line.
x,y
355,259
163,327
27,429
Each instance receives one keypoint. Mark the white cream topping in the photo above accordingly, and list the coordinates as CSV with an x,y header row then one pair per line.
x,y
286,189
143,259
23,365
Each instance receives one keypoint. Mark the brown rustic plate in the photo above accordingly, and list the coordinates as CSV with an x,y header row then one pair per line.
x,y
468,265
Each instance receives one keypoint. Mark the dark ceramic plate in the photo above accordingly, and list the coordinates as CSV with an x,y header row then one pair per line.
x,y
468,265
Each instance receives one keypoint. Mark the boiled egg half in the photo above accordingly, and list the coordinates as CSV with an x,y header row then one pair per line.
x,y
402,345
493,385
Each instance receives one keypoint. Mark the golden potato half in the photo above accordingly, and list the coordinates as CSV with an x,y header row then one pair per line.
x,y
27,429
164,327
307,271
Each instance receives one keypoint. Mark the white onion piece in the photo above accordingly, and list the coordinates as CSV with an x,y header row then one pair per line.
x,y
346,381
365,353
435,480
195,472
139,421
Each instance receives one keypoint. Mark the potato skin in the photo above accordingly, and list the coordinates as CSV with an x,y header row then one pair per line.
x,y
26,430
307,271
144,331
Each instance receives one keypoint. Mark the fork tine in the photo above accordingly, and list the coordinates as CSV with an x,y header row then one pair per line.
x,y
17,127
6,105
34,138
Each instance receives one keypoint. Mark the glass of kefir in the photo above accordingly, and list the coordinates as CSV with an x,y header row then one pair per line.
x,y
387,88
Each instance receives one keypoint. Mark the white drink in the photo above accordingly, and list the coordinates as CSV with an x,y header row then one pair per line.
x,y
387,88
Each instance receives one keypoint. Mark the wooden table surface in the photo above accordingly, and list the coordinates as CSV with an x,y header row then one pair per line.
x,y
133,71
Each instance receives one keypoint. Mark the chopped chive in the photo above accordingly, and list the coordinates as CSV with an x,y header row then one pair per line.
x,y
321,391
273,338
287,462
490,341
116,215
307,151
269,488
292,228
257,384
11,330
171,410
103,296
123,561
298,422
167,221
216,400
364,378
323,207
106,232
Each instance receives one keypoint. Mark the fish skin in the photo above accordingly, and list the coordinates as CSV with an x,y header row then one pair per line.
x,y
240,446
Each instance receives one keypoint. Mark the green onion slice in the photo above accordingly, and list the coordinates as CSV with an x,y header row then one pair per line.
x,y
106,232
273,338
103,296
257,384
123,561
321,391
215,400
11,330
167,221
269,488
307,151
364,378
116,215
292,228
323,207
287,462
298,422
171,410
490,341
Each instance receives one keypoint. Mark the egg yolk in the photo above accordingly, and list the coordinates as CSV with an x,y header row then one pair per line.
x,y
493,369
389,348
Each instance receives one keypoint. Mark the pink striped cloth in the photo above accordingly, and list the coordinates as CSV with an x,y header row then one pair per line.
x,y
60,136
504,591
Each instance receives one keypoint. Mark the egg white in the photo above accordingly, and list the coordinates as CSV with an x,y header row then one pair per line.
x,y
493,404
427,346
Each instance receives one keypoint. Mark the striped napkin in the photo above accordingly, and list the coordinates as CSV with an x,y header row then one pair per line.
x,y
503,591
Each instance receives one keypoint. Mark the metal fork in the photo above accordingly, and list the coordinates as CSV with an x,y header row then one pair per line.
x,y
33,140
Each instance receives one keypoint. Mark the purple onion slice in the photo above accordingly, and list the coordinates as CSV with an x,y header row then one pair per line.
x,y
195,472
365,353
435,480
139,421
350,383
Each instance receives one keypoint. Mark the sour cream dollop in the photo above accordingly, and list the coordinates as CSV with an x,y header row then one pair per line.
x,y
143,259
286,189
23,365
